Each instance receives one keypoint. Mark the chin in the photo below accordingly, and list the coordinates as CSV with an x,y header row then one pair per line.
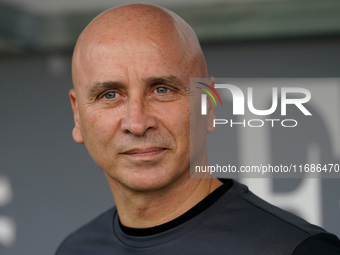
x,y
149,180
147,183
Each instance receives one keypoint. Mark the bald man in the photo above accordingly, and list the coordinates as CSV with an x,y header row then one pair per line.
x,y
131,72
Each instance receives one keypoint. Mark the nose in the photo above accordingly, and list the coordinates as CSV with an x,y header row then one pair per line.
x,y
138,118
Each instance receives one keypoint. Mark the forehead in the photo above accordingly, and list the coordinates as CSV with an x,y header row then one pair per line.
x,y
119,58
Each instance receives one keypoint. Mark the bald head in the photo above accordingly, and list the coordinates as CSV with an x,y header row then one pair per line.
x,y
131,99
121,29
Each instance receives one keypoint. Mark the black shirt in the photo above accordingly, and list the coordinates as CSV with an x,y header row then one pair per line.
x,y
231,220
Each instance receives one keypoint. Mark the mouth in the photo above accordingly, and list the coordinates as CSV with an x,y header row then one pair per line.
x,y
144,152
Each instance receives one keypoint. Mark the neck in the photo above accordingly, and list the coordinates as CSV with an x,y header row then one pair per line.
x,y
144,209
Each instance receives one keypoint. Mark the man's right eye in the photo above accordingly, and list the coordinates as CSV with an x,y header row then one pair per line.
x,y
110,95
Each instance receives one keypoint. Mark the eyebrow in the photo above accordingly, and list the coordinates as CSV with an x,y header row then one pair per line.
x,y
101,86
166,80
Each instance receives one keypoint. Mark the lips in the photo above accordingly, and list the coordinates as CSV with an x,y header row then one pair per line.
x,y
144,151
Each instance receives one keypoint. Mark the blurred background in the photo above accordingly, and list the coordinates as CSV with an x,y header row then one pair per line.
x,y
49,185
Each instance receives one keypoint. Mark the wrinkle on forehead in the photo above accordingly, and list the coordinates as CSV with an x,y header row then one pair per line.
x,y
141,24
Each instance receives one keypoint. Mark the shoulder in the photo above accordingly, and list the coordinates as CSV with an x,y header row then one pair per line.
x,y
273,229
319,244
97,231
270,215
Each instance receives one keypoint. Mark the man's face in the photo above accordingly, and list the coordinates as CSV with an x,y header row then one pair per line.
x,y
132,111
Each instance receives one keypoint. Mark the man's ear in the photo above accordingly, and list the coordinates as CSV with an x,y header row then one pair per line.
x,y
211,111
76,130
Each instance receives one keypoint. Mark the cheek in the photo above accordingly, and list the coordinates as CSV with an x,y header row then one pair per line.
x,y
177,122
184,128
98,127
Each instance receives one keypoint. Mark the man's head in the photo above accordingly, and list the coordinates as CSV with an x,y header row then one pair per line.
x,y
131,71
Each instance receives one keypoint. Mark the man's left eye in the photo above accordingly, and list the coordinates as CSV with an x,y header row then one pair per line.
x,y
110,95
162,90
